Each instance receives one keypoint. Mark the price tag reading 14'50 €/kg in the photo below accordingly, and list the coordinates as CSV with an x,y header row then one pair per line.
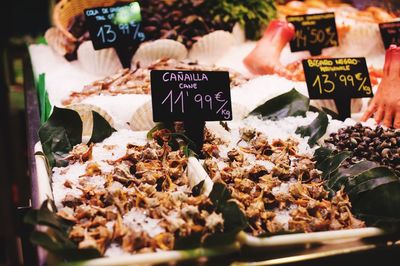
x,y
190,95
338,78
313,32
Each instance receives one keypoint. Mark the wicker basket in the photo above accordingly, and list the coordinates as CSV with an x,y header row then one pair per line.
x,y
65,10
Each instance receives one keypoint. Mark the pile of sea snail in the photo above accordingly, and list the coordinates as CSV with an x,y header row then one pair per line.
x,y
378,145
182,20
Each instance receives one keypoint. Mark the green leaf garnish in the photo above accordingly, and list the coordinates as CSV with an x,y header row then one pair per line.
x,y
56,238
321,154
372,178
291,103
219,196
101,129
343,174
378,204
61,132
330,165
234,221
316,129
197,189
374,190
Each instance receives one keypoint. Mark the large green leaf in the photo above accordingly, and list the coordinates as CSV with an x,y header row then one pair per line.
x,y
330,165
46,216
374,190
321,154
316,129
219,195
61,132
291,103
234,221
220,239
379,204
198,189
343,174
175,137
234,218
56,238
101,128
370,179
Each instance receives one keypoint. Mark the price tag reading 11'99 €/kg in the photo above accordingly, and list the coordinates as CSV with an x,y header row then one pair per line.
x,y
190,95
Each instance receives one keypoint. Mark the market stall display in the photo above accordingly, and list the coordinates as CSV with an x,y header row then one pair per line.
x,y
276,180
285,171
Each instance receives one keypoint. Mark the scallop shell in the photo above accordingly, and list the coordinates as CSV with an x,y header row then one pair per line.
x,y
159,49
142,119
211,47
85,112
238,33
58,42
101,62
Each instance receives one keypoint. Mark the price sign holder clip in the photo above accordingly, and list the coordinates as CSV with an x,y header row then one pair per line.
x,y
125,54
194,130
315,51
343,106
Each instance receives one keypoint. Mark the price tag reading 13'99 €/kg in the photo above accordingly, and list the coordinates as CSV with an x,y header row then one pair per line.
x,y
337,77
114,26
190,95
340,79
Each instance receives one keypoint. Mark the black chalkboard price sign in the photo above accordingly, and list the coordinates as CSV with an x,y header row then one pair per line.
x,y
190,95
313,32
116,26
390,33
340,79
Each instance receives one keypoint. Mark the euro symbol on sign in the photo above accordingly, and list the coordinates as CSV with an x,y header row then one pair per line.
x,y
218,97
358,76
